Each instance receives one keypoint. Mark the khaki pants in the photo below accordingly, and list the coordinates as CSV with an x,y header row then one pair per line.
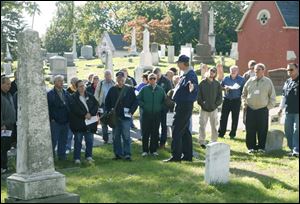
x,y
213,118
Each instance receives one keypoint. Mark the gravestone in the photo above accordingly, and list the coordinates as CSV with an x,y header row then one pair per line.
x,y
87,52
203,48
154,53
49,55
171,53
71,73
133,51
278,77
109,62
188,51
211,34
217,159
8,55
234,51
58,65
35,176
162,50
226,54
145,58
274,140
70,58
7,68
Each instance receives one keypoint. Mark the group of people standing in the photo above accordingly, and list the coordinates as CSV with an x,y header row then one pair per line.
x,y
75,112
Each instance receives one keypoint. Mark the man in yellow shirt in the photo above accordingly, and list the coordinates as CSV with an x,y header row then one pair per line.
x,y
258,97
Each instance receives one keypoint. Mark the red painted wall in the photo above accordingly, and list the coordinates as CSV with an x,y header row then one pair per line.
x,y
268,43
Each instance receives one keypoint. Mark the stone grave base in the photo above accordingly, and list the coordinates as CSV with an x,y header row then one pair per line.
x,y
64,198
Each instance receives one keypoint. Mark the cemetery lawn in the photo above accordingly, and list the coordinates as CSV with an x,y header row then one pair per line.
x,y
272,177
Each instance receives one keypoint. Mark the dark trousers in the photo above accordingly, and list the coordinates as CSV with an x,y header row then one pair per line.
x,y
257,123
182,138
164,128
150,129
5,146
228,106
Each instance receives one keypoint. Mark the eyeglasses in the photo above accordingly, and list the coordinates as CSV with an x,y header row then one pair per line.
x,y
213,71
290,70
152,79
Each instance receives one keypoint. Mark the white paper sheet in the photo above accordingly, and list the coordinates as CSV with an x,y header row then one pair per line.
x,y
93,119
6,133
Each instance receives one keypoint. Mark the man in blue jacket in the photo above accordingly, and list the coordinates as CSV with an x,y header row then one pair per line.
x,y
58,103
185,94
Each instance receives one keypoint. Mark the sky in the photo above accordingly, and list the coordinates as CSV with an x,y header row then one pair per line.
x,y
42,21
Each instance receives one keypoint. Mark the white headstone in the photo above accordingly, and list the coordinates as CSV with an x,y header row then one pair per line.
x,y
146,57
109,62
35,175
87,52
7,68
188,51
133,51
58,65
234,51
8,55
49,55
162,50
274,140
71,73
171,53
74,52
217,163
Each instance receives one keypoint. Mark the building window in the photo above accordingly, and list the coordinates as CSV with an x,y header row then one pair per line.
x,y
263,16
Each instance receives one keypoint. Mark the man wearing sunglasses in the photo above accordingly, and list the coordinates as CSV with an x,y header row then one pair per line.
x,y
258,97
290,102
185,94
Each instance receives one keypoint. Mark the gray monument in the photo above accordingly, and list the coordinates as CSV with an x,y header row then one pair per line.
x,y
36,179
171,53
154,53
211,34
70,58
217,163
58,65
274,140
203,49
87,52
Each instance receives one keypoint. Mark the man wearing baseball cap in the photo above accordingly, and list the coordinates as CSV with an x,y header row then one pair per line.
x,y
125,106
185,94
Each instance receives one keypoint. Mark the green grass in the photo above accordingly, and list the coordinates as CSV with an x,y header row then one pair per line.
x,y
272,177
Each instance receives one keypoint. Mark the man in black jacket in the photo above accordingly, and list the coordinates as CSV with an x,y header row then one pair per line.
x,y
165,83
125,108
83,121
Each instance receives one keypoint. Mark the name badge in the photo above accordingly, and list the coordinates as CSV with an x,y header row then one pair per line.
x,y
257,92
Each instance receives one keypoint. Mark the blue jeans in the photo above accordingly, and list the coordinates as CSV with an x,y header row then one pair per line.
x,y
291,128
122,129
69,141
59,136
89,140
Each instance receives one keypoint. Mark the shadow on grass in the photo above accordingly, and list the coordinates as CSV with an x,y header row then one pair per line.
x,y
267,181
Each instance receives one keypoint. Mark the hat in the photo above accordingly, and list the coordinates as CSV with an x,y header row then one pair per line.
x,y
183,58
120,74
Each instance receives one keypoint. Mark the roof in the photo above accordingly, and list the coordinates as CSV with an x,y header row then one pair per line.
x,y
289,11
118,41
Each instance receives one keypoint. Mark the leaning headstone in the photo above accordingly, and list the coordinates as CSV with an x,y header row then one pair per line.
x,y
70,58
171,53
154,53
58,65
217,163
274,140
87,52
35,176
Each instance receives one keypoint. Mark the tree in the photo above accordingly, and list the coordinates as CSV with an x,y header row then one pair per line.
x,y
32,9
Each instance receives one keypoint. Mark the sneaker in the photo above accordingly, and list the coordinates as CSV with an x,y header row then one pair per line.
x,y
90,159
77,161
128,158
82,150
144,154
251,151
68,151
155,154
